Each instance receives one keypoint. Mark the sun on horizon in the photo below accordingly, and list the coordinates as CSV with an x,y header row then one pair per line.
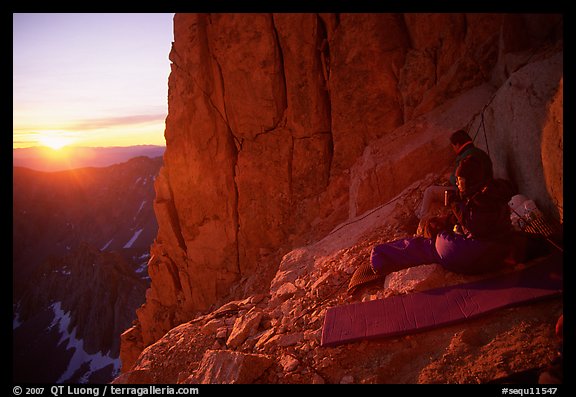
x,y
54,141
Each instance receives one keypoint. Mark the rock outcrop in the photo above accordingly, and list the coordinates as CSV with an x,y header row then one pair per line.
x,y
283,126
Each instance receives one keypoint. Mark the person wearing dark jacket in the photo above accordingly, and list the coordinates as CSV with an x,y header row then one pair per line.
x,y
463,146
479,241
475,238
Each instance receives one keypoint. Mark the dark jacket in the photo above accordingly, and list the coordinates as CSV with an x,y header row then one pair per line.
x,y
485,215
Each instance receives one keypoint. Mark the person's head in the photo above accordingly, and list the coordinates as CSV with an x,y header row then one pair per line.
x,y
459,139
469,176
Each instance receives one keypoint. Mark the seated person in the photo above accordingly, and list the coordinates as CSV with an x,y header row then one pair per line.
x,y
475,237
463,146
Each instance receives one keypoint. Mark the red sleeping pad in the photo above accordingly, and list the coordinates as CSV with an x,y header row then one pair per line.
x,y
404,314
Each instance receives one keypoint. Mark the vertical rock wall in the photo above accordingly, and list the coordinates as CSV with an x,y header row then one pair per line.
x,y
281,126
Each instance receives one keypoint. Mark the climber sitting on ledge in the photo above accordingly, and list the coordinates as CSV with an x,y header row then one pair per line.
x,y
474,238
463,146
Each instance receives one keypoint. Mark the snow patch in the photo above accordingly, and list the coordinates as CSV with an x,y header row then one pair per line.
x,y
133,239
142,268
106,245
140,208
95,361
143,262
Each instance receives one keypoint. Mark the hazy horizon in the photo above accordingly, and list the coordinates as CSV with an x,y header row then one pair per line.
x,y
68,147
90,79
41,158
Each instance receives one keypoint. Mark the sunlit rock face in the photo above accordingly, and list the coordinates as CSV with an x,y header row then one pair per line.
x,y
282,126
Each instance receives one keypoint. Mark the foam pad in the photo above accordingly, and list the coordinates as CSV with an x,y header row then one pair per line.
x,y
403,314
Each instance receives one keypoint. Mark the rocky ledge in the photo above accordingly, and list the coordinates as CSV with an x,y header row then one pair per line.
x,y
275,337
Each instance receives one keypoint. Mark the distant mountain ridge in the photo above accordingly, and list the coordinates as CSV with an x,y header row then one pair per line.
x,y
81,241
46,159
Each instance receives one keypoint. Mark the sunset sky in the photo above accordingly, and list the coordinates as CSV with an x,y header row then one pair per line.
x,y
90,79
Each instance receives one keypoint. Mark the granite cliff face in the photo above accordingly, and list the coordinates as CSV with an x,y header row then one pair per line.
x,y
283,126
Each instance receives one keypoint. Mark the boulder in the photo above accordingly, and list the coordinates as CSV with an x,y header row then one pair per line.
x,y
227,367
